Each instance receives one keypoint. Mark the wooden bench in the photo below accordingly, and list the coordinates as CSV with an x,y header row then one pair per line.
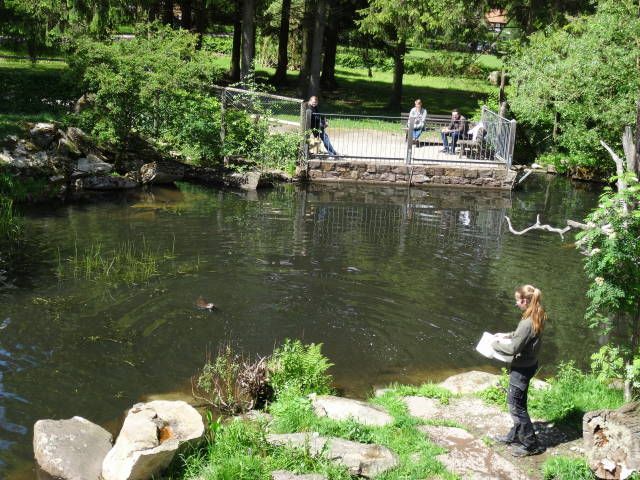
x,y
475,147
438,119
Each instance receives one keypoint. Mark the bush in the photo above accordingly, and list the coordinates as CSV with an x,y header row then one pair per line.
x,y
10,228
231,383
279,151
571,395
299,368
157,85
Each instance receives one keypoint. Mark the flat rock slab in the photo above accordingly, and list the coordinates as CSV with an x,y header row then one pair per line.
x,y
286,475
468,411
469,457
360,458
72,449
338,408
470,382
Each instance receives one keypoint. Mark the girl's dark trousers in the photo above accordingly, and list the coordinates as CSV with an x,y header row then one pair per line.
x,y
522,430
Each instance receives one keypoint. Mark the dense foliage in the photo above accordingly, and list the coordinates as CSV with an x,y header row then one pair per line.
x,y
584,78
613,266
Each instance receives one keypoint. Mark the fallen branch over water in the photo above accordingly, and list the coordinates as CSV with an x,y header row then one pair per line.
x,y
538,226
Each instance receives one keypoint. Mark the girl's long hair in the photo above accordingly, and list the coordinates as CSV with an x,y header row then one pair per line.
x,y
534,309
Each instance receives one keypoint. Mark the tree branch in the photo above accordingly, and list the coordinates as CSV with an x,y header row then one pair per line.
x,y
538,226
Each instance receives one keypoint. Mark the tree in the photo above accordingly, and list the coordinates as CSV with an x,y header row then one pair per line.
x,y
280,76
539,15
580,81
248,37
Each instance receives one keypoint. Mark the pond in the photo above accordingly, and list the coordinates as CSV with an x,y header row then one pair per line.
x,y
397,284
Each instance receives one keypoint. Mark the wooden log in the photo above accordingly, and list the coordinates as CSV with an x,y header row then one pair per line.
x,y
612,441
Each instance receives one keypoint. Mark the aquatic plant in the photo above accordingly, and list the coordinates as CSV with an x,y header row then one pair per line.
x,y
127,263
9,225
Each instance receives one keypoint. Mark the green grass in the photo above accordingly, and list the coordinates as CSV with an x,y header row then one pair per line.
x,y
485,60
10,227
565,468
32,93
127,263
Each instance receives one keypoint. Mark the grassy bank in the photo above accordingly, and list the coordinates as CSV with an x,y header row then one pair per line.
x,y
32,92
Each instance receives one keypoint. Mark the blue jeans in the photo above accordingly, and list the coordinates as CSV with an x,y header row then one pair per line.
x,y
454,139
326,142
416,133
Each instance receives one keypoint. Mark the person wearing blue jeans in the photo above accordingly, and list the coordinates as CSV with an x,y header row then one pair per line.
x,y
419,116
319,124
457,129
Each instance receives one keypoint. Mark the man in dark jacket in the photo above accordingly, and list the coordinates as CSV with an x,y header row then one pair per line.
x,y
457,129
319,124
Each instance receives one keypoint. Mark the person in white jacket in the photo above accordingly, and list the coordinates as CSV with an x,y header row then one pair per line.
x,y
419,116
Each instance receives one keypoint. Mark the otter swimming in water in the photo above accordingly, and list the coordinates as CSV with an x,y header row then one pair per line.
x,y
203,304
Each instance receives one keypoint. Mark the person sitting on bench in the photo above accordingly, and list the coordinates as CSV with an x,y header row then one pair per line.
x,y
318,125
457,129
419,116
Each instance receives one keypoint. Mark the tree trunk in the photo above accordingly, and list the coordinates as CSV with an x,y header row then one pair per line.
x,y
637,160
307,42
200,19
167,12
154,10
398,71
316,51
612,440
185,10
248,37
234,72
280,77
328,79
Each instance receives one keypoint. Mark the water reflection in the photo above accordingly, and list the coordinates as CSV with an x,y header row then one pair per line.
x,y
397,283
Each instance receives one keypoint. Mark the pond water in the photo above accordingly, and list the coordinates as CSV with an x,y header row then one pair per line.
x,y
397,284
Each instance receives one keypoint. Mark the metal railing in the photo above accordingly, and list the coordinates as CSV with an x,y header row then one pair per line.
x,y
388,139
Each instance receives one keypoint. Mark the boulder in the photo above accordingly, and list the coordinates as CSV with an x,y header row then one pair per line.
x,y
43,134
84,102
105,183
494,77
286,475
245,181
470,382
91,164
10,141
71,449
83,142
67,148
361,459
338,408
162,171
150,436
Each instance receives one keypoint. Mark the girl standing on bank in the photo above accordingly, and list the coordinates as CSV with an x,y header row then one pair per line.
x,y
524,347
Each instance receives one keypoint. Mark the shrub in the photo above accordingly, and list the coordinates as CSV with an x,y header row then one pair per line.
x,y
231,383
278,150
301,368
572,393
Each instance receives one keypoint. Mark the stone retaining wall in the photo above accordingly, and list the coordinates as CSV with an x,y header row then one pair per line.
x,y
417,175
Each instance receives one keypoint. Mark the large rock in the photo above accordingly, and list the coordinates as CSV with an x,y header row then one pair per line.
x,y
286,475
361,459
150,436
67,148
470,382
245,181
71,449
92,164
105,183
43,134
470,458
161,172
338,408
83,142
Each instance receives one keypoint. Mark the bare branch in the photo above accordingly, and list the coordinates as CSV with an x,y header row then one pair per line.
x,y
619,166
538,226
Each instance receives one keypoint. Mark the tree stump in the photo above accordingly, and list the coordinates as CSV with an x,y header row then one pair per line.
x,y
612,441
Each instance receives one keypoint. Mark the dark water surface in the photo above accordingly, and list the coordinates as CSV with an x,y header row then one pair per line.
x,y
398,284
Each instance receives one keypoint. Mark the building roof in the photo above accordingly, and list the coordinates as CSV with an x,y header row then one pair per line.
x,y
497,16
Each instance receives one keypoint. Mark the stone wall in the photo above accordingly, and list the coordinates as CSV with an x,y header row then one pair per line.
x,y
415,175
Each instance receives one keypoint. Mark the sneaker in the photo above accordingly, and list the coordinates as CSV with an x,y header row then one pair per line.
x,y
503,439
521,451
444,150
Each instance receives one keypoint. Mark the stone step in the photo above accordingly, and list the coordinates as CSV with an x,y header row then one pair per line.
x,y
338,408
